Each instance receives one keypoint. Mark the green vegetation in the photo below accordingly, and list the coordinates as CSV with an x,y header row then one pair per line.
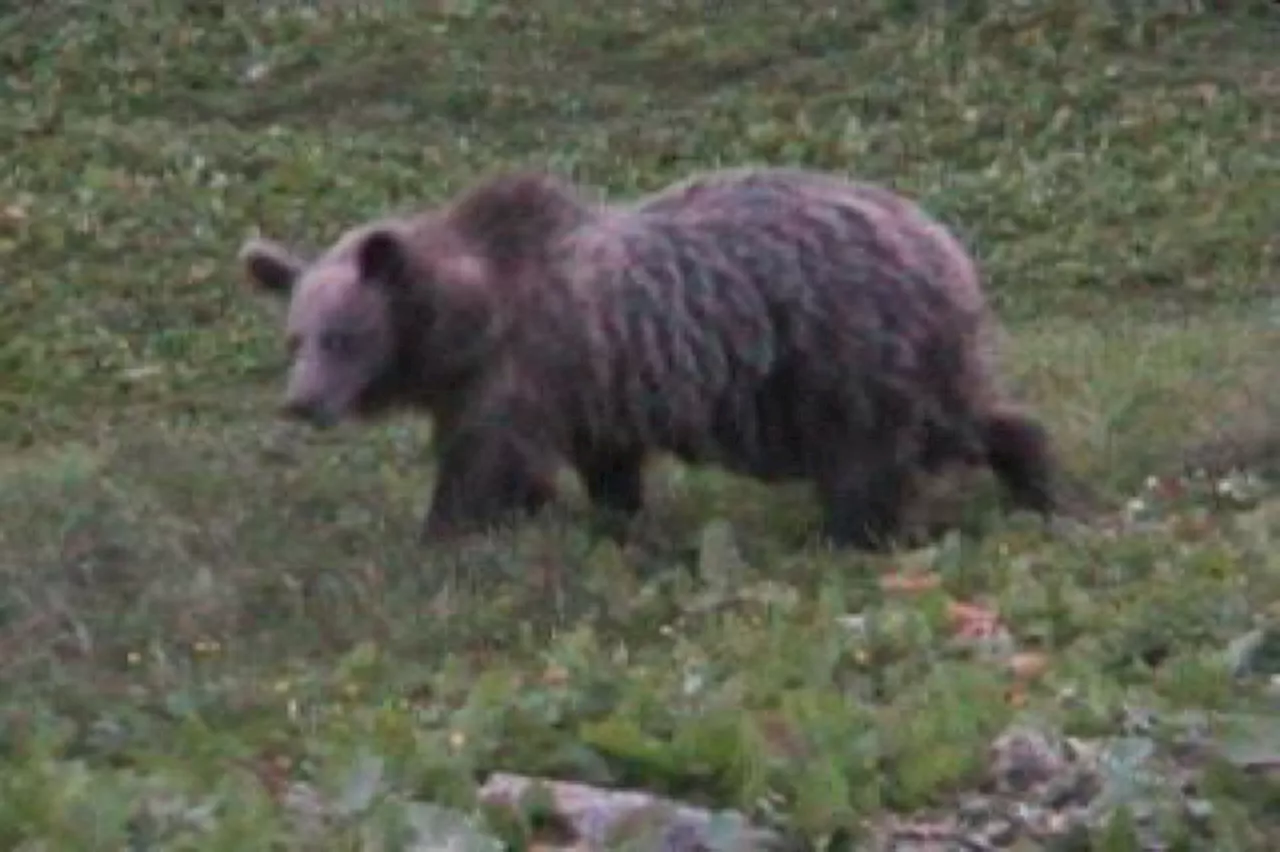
x,y
205,612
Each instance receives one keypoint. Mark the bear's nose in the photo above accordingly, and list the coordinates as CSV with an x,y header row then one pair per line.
x,y
306,410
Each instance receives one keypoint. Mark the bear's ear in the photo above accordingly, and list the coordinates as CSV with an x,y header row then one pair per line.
x,y
271,266
383,259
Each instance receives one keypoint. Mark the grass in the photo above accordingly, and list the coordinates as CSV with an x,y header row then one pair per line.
x,y
201,606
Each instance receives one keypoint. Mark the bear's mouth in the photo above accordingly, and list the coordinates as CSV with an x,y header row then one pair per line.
x,y
311,412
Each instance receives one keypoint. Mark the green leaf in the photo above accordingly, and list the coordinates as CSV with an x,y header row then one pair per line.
x,y
361,784
436,828
720,565
1251,740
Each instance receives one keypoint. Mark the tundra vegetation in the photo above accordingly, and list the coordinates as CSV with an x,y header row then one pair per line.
x,y
218,630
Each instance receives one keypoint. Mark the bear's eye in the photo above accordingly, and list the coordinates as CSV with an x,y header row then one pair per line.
x,y
338,342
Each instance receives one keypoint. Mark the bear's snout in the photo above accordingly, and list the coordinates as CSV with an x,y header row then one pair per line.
x,y
310,411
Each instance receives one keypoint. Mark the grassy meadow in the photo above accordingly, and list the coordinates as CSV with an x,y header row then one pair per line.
x,y
217,629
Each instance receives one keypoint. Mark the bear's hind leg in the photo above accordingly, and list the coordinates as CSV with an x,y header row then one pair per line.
x,y
485,479
862,499
1019,454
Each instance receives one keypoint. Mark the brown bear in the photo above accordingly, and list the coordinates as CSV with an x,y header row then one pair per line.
x,y
779,323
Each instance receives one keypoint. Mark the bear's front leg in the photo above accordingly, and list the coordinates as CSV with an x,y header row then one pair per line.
x,y
615,481
486,478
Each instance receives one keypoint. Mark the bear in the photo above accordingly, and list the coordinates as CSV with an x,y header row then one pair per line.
x,y
778,322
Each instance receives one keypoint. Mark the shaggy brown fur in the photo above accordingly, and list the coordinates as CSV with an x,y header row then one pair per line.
x,y
775,322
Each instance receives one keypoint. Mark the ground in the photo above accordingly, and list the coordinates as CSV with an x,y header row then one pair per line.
x,y
206,613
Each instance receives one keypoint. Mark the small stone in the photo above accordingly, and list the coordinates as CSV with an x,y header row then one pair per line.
x,y
1001,832
974,812
1023,759
1077,787
1200,810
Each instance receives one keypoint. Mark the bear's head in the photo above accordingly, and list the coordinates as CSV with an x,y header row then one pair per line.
x,y
408,311
372,323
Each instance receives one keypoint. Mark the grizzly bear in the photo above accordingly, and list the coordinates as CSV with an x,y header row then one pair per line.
x,y
779,323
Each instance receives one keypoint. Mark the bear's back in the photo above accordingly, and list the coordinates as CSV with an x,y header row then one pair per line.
x,y
674,313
